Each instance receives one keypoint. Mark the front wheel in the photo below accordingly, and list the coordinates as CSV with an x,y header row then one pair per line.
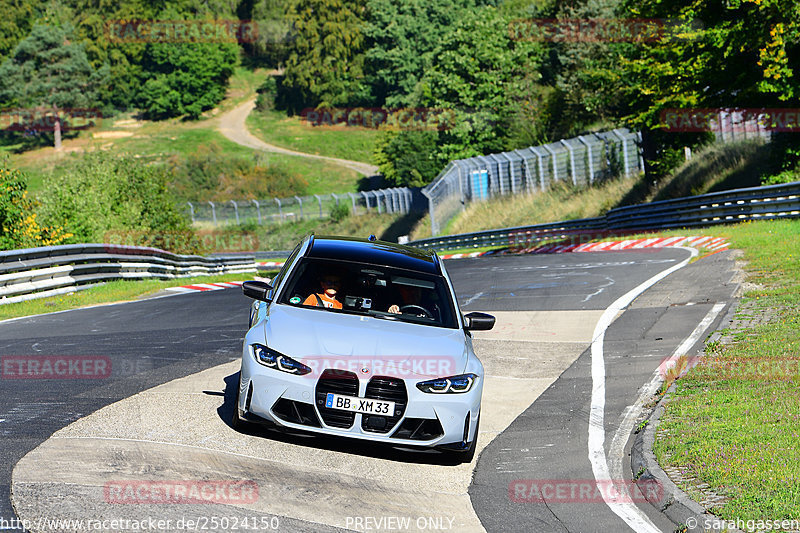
x,y
468,454
237,422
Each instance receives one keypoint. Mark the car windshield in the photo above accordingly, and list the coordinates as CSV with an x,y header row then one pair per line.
x,y
379,291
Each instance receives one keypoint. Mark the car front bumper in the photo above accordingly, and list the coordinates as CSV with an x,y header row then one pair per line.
x,y
297,402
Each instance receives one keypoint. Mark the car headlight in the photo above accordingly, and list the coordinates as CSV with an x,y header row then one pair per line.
x,y
451,385
278,361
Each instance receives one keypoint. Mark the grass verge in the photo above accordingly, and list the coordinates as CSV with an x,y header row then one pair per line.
x,y
274,127
111,292
732,422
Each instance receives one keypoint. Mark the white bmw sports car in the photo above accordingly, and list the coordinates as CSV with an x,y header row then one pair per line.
x,y
364,339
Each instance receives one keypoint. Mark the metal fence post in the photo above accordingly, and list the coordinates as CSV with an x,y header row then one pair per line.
x,y
213,212
258,211
589,157
319,202
300,201
512,178
555,162
191,211
280,210
366,200
236,211
378,201
571,161
353,201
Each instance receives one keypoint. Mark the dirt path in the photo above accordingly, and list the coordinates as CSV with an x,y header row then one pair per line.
x,y
232,125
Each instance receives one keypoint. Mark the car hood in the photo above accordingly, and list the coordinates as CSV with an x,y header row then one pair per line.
x,y
364,344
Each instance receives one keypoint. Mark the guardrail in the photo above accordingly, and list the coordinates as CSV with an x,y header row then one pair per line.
x,y
52,270
757,203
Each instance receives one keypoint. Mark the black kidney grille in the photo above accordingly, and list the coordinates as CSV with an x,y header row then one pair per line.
x,y
337,382
389,389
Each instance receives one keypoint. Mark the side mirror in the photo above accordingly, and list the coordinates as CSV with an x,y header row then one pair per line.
x,y
478,321
256,289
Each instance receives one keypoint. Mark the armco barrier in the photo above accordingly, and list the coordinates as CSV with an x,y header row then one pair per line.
x,y
740,205
47,271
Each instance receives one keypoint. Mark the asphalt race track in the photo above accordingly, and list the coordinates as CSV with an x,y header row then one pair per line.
x,y
153,404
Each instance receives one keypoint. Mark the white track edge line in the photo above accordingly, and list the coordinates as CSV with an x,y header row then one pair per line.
x,y
628,512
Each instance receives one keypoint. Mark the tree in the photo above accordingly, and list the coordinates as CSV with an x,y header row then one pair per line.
x,y
185,78
408,158
744,54
401,37
477,70
325,66
16,23
49,70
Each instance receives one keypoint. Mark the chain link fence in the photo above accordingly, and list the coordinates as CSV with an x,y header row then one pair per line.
x,y
580,161
397,200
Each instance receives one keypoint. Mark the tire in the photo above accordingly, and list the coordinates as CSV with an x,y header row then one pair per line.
x,y
469,455
465,456
236,421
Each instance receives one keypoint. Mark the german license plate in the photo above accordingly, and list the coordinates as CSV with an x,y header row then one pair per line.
x,y
367,406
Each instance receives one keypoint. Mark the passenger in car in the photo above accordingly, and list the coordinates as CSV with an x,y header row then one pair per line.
x,y
330,284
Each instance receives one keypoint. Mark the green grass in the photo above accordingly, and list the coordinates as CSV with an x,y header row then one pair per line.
x,y
733,420
113,291
274,127
286,235
561,202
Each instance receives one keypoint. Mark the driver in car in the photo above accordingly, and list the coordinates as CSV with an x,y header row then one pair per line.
x,y
330,284
412,302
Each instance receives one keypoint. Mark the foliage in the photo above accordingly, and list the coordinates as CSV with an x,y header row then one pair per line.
x,y
105,193
18,218
271,46
741,53
339,212
408,158
267,92
475,71
185,78
402,35
325,66
211,174
49,70
15,24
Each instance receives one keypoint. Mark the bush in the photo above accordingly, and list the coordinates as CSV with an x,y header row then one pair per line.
x,y
104,194
18,225
267,92
340,212
184,78
408,158
211,174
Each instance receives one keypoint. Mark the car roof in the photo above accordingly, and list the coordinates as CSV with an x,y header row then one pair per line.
x,y
375,252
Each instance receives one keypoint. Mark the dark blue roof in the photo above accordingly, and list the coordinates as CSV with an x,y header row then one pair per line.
x,y
374,253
